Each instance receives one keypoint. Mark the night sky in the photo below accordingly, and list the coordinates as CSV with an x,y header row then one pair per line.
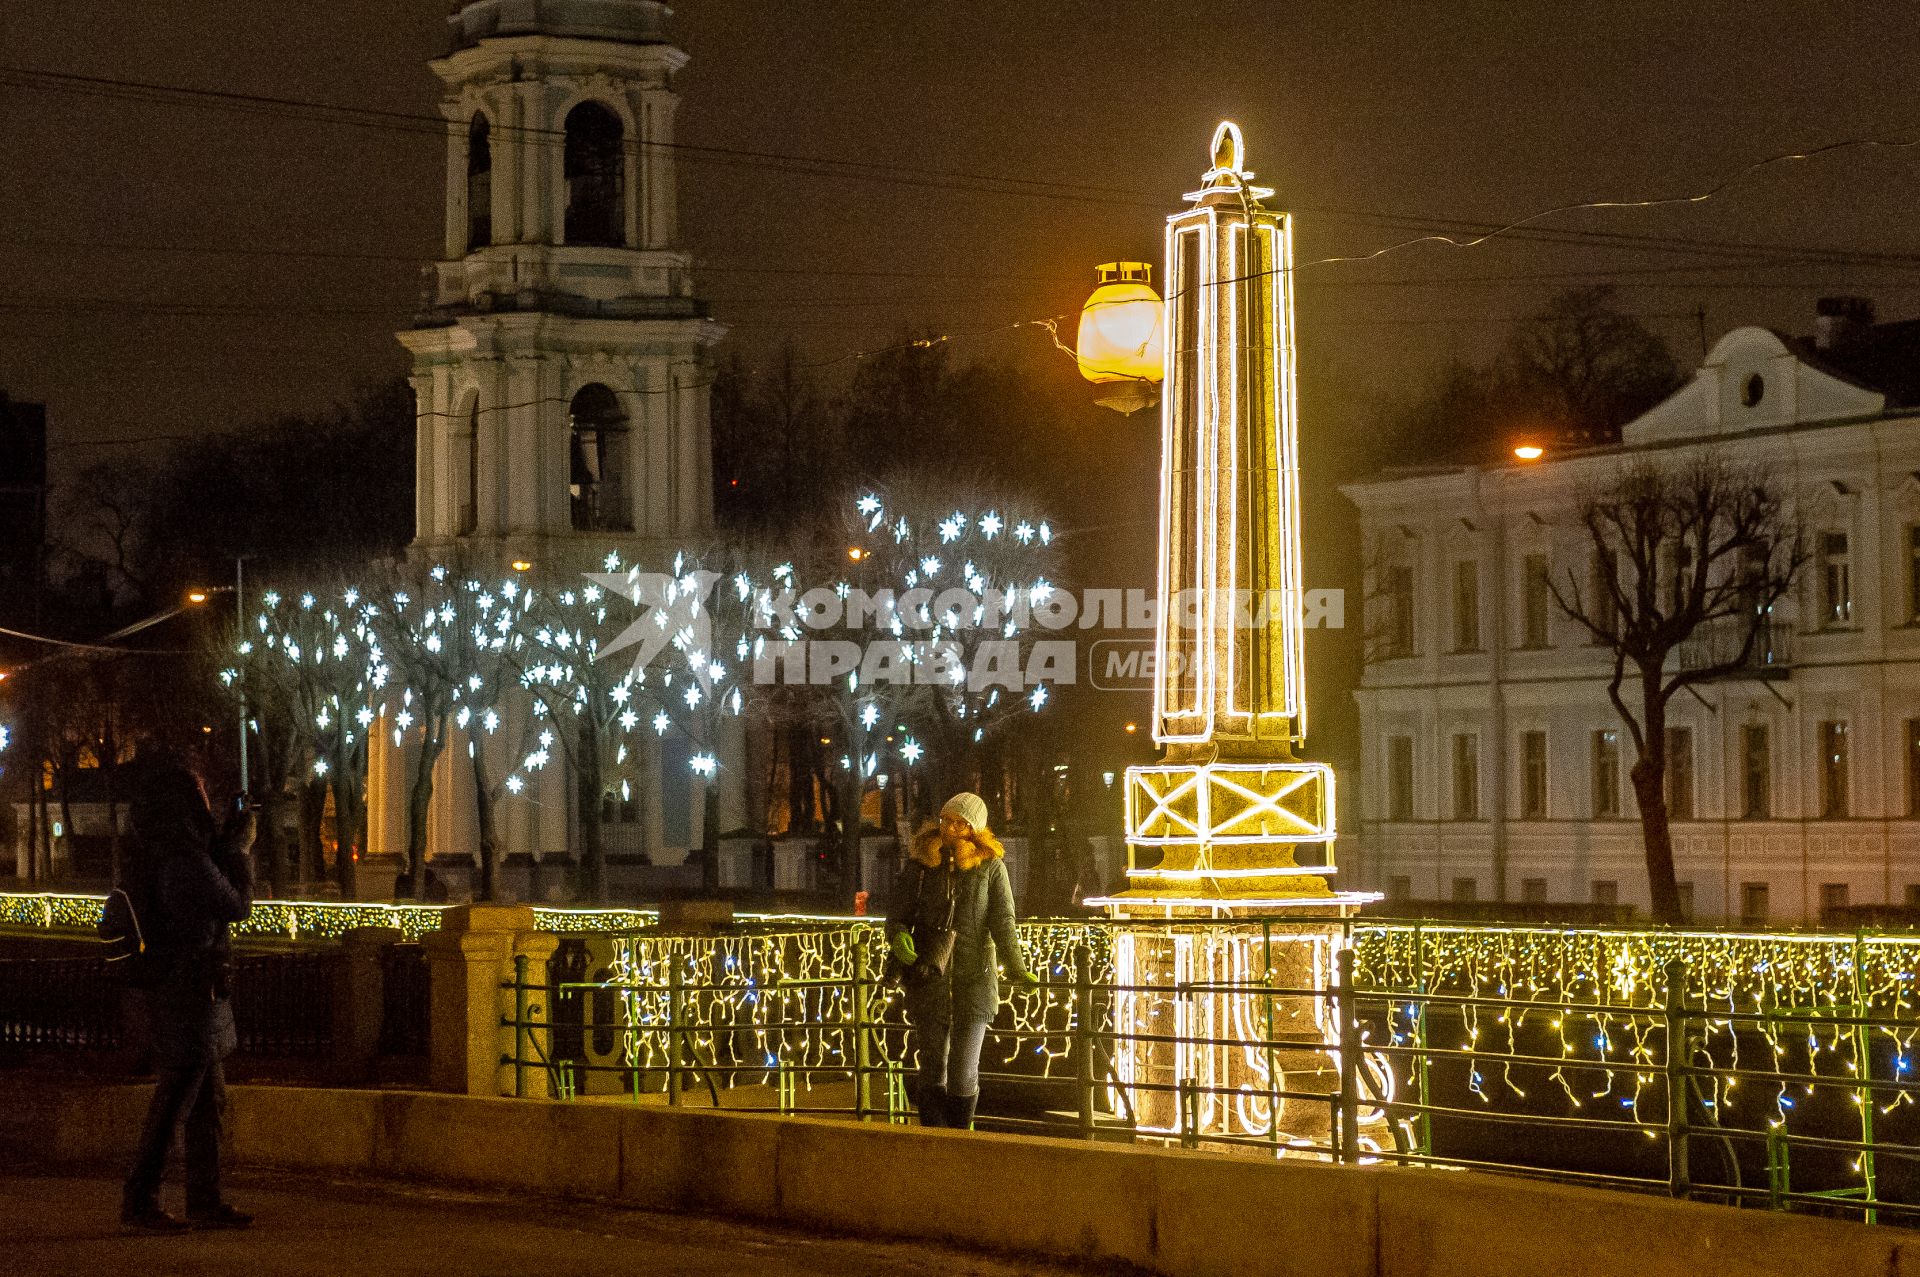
x,y
294,244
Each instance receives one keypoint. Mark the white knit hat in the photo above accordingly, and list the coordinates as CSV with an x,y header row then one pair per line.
x,y
969,807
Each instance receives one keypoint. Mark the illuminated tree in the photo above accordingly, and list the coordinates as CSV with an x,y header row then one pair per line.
x,y
1686,562
488,630
419,626
322,657
922,623
602,661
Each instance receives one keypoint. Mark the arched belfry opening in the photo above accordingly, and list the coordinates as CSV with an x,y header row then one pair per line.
x,y
467,513
479,183
597,449
595,164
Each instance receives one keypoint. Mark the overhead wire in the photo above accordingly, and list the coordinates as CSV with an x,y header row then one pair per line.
x,y
896,172
1473,234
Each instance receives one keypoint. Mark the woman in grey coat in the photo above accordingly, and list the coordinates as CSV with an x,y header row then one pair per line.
x,y
949,927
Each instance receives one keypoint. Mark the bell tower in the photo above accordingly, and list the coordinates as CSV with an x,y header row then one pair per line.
x,y
559,356
560,373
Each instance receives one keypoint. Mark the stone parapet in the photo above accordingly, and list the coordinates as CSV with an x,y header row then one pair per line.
x,y
1181,1214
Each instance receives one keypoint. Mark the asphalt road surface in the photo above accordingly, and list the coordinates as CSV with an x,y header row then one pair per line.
x,y
56,1224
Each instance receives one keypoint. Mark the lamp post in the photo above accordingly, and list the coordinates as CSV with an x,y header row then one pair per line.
x,y
240,619
1122,341
239,589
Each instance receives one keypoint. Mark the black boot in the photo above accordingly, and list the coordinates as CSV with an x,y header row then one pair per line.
x,y
934,1104
960,1111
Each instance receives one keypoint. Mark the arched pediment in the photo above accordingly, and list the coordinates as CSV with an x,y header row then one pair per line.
x,y
1752,379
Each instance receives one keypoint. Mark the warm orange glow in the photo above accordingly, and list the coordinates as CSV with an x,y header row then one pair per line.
x,y
521,565
196,596
1529,452
1131,728
1122,337
855,553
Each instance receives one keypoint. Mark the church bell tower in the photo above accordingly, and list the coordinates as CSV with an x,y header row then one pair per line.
x,y
559,358
560,375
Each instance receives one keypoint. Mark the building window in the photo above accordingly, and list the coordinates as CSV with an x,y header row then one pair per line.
x,y
1833,768
1913,573
1533,891
1753,902
1833,896
1399,778
1466,890
1604,607
479,184
466,518
1466,606
1680,588
1535,598
597,474
1680,773
1533,775
1399,604
1606,774
1686,900
1756,772
1913,767
1606,891
1466,777
1836,580
596,176
1400,887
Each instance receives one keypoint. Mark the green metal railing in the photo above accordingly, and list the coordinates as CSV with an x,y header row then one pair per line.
x,y
1633,1084
876,1057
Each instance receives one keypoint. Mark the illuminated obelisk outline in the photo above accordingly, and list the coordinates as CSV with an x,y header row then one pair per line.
x,y
1214,826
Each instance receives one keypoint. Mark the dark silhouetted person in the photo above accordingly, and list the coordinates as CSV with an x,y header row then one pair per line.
x,y
202,880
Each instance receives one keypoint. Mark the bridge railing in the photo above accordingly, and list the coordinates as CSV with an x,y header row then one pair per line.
x,y
1765,1070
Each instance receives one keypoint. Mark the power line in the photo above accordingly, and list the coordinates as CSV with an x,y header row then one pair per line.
x,y
1477,232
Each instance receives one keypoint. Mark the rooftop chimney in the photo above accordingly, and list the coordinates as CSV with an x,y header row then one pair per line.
x,y
1837,320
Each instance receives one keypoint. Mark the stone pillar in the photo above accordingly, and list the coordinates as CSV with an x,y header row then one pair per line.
x,y
359,999
470,963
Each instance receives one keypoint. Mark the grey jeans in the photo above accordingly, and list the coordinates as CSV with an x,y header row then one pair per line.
x,y
950,1051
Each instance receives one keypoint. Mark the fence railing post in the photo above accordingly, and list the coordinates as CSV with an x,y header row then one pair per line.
x,y
1083,1035
1189,1095
520,1026
1422,1073
862,1046
1347,1125
1679,1058
1863,1058
676,1010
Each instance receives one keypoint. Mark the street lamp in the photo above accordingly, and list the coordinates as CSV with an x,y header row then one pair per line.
x,y
1529,452
1122,340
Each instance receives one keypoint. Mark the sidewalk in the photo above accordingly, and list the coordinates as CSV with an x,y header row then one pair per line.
x,y
53,1225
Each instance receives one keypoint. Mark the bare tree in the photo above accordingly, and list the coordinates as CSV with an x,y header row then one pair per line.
x,y
1686,564
1586,366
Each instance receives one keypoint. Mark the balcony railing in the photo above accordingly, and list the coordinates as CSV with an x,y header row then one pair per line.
x,y
1719,644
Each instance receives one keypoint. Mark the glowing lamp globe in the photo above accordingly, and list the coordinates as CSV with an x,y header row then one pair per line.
x,y
1123,337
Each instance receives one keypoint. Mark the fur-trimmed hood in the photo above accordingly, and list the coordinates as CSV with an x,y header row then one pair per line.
x,y
971,852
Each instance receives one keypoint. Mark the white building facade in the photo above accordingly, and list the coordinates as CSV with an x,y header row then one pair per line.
x,y
1494,765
